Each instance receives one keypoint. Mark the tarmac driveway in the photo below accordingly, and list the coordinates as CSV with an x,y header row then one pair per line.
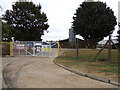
x,y
41,72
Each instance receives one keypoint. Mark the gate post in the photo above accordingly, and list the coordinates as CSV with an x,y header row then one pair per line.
x,y
58,48
11,48
33,49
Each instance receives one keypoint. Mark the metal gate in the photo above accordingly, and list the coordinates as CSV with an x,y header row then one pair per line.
x,y
34,48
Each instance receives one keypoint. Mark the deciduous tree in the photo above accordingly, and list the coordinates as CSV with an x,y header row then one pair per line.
x,y
5,32
26,21
94,20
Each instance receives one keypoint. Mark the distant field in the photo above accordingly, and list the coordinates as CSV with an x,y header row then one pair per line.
x,y
85,62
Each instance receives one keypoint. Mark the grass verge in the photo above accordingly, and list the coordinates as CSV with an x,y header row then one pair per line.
x,y
85,63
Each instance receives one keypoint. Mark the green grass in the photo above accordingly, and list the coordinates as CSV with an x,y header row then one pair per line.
x,y
86,63
106,71
69,58
91,60
89,54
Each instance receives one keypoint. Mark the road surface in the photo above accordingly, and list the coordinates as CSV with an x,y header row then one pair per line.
x,y
41,72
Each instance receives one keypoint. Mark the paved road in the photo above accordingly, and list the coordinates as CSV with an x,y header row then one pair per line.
x,y
39,72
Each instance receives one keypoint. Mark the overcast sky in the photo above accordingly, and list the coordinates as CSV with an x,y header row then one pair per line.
x,y
60,13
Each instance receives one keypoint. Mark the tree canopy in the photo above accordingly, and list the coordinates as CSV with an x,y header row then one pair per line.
x,y
5,32
93,20
26,21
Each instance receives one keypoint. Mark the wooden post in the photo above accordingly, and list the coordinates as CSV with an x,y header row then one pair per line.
x,y
109,48
118,48
119,54
114,45
77,48
100,51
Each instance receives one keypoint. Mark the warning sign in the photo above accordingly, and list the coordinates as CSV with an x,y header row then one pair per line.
x,y
20,46
46,48
38,49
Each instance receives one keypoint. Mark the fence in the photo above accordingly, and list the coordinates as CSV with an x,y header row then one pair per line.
x,y
31,48
5,48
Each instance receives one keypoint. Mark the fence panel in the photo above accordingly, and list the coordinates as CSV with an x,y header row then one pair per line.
x,y
5,48
34,48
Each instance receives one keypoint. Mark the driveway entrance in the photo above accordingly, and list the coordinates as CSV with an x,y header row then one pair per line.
x,y
41,72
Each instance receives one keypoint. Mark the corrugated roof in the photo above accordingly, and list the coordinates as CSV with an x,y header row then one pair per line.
x,y
104,41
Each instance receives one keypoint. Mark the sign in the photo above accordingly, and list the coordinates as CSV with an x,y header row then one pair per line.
x,y
46,48
30,44
38,49
20,46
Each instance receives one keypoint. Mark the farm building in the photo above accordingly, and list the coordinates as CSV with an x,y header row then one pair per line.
x,y
102,43
81,43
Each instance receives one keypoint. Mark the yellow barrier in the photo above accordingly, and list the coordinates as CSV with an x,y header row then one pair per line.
x,y
11,49
59,48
